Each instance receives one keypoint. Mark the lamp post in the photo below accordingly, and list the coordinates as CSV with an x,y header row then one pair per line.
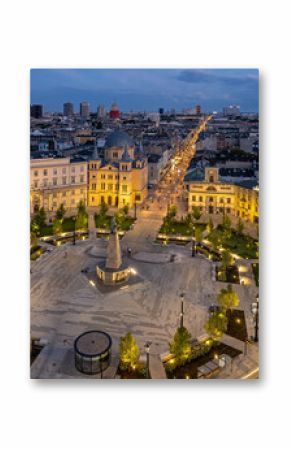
x,y
147,349
135,210
255,312
74,235
181,310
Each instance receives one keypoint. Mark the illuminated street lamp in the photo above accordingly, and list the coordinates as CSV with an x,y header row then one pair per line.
x,y
255,312
181,309
74,234
147,349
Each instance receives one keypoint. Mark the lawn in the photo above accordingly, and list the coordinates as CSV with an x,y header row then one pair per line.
x,y
180,228
228,274
237,327
255,268
124,224
243,245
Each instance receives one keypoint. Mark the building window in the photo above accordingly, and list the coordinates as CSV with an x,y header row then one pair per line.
x,y
200,199
124,188
102,199
45,182
221,209
194,198
110,186
54,181
116,186
137,197
82,178
64,180
115,154
117,177
103,176
45,172
103,186
210,199
211,178
55,171
73,179
35,184
64,170
124,178
210,210
221,200
228,210
110,176
93,199
35,173
93,186
228,200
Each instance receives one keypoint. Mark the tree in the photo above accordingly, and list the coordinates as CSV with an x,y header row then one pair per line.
x,y
172,212
103,209
227,259
60,212
38,221
240,226
228,298
214,240
198,234
129,351
227,222
210,226
188,220
216,325
180,346
82,216
33,239
126,210
57,226
196,213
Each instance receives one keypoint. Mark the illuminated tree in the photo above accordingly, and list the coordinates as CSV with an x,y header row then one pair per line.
x,y
198,234
57,226
180,346
216,325
126,210
60,212
104,208
227,222
210,226
214,240
228,298
82,216
227,259
240,226
129,351
38,221
33,239
196,213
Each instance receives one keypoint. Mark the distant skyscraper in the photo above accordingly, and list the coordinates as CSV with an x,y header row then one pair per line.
x,y
68,109
232,111
161,111
84,109
197,109
36,110
114,112
101,112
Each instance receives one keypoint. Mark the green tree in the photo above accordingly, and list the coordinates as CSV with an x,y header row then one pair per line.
x,y
82,216
216,325
60,212
227,222
33,239
172,212
210,226
198,234
228,298
214,240
227,259
196,213
126,210
57,226
180,346
103,209
240,226
129,351
38,221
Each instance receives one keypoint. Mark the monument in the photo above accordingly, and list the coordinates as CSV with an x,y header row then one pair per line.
x,y
113,270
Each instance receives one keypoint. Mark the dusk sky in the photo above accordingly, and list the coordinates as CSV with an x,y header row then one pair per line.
x,y
146,89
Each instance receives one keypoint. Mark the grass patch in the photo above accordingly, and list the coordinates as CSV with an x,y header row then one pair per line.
x,y
243,245
104,222
180,228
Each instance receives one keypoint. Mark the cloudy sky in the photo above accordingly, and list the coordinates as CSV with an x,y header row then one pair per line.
x,y
146,89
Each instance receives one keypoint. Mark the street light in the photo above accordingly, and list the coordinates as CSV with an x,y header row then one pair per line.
x,y
181,309
74,235
147,349
255,312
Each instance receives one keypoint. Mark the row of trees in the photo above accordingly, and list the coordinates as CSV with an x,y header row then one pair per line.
x,y
181,344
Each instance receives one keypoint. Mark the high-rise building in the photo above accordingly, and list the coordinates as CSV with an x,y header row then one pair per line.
x,y
231,111
161,111
68,109
197,109
36,110
114,112
101,112
84,109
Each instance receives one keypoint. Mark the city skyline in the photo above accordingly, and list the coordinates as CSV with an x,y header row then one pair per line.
x,y
146,89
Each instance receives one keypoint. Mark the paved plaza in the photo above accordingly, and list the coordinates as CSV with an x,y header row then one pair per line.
x,y
64,303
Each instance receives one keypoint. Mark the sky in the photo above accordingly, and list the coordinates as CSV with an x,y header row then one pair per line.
x,y
146,89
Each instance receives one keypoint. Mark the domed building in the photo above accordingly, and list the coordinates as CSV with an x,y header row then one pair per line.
x,y
121,178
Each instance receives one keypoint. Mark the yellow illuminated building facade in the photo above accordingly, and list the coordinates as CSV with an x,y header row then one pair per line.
x,y
121,178
214,197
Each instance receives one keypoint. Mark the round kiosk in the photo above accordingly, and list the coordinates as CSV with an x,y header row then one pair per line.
x,y
92,352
